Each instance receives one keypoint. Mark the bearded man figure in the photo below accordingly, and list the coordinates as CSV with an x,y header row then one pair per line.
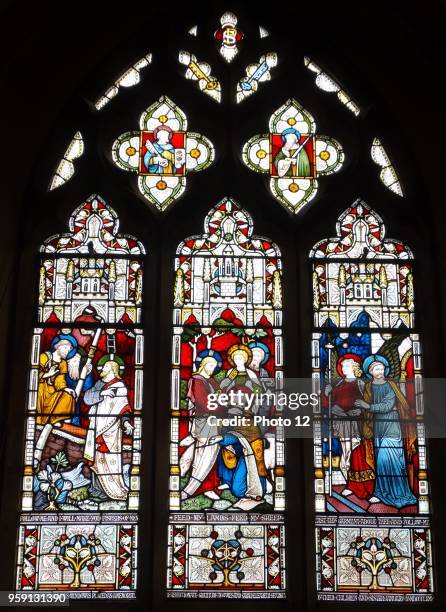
x,y
56,399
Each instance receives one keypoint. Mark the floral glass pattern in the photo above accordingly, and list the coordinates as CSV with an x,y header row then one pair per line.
x,y
129,78
329,84
388,174
65,169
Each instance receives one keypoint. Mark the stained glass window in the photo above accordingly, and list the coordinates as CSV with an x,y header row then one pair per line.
x,y
223,519
65,169
227,499
388,173
80,498
373,539
293,155
201,72
162,152
129,78
329,84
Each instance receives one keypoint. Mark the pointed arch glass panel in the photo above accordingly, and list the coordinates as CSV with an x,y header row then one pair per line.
x,y
80,496
373,539
227,490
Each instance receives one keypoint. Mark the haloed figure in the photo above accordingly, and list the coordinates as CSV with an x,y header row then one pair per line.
x,y
292,159
160,155
240,376
202,442
388,406
110,416
241,463
56,399
260,355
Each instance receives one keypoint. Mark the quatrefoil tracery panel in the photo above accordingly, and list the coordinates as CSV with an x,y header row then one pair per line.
x,y
162,152
293,155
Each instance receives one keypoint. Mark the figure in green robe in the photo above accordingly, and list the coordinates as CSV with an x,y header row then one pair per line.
x,y
290,161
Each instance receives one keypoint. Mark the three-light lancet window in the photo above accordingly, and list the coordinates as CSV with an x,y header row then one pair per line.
x,y
225,506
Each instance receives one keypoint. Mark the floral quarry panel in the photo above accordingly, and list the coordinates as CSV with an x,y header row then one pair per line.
x,y
372,502
81,483
227,489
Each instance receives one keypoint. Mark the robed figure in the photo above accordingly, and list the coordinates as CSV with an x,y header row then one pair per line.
x,y
199,458
160,155
292,159
354,432
389,409
241,462
109,416
56,400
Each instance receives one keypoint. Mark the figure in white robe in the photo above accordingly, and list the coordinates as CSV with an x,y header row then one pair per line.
x,y
109,417
202,442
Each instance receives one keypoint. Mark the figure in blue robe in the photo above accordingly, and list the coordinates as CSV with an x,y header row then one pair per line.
x,y
391,477
164,150
384,400
232,469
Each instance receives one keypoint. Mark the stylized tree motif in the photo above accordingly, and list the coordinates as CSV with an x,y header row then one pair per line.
x,y
374,556
77,553
227,556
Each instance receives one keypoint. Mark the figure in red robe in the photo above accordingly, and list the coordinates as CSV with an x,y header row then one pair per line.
x,y
353,431
200,456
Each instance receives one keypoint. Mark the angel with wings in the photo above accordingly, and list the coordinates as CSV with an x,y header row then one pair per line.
x,y
394,440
